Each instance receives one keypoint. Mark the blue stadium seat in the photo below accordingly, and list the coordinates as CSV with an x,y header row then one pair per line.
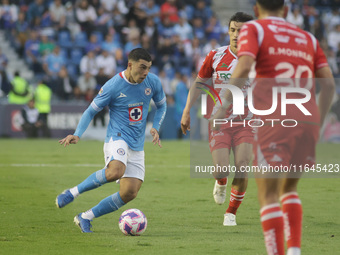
x,y
72,71
76,55
80,40
64,39
100,37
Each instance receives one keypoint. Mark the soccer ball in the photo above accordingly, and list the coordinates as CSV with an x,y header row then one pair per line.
x,y
132,222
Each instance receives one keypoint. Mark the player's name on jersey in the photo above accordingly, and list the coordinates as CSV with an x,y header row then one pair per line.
x,y
290,53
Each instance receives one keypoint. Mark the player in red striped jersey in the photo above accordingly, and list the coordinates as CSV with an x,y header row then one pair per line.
x,y
282,50
217,69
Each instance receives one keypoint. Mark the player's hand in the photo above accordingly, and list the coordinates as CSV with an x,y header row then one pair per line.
x,y
185,122
155,136
70,139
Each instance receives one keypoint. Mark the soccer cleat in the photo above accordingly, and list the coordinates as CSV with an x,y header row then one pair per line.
x,y
64,199
229,219
220,193
84,224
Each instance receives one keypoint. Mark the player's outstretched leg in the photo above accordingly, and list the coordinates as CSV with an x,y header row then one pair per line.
x,y
107,205
220,190
93,181
128,190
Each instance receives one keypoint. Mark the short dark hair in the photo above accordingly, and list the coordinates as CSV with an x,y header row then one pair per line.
x,y
271,5
240,17
139,53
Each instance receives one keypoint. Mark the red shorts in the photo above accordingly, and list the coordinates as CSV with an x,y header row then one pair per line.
x,y
285,146
230,137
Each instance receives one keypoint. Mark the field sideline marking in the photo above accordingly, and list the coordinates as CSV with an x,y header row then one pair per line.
x,y
71,165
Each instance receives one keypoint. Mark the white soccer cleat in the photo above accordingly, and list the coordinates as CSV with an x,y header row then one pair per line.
x,y
229,219
220,193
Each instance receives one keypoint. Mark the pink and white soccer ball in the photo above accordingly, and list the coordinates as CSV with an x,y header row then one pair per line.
x,y
133,222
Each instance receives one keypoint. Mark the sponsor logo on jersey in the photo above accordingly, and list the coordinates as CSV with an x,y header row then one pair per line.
x,y
121,151
122,95
135,113
147,91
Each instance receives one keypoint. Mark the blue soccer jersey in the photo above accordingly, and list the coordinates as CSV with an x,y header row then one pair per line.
x,y
129,104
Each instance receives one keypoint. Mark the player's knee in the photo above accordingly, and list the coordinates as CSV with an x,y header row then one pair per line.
x,y
114,172
242,162
128,195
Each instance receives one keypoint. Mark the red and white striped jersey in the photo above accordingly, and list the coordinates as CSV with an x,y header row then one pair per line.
x,y
218,66
282,50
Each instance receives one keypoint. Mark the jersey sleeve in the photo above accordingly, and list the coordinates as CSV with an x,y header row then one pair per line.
x,y
207,70
248,43
320,58
103,97
159,95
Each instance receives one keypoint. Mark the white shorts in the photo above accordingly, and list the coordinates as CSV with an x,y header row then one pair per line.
x,y
133,160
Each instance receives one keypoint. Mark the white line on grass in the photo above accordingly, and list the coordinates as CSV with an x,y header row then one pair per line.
x,y
72,165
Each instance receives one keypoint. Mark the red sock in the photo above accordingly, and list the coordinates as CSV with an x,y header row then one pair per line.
x,y
292,214
272,225
236,199
222,181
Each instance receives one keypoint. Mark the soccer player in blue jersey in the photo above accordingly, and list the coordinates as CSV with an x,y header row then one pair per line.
x,y
128,95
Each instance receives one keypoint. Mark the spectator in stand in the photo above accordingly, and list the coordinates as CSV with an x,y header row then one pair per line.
x,y
334,38
53,62
32,55
166,28
35,10
110,44
152,10
102,21
20,92
20,33
133,41
202,11
3,61
88,64
169,10
8,14
42,97
46,46
71,23
86,16
93,44
58,14
183,28
64,85
138,14
111,5
212,44
181,94
331,133
165,83
165,53
213,30
150,29
331,19
87,85
331,59
295,17
107,62
198,29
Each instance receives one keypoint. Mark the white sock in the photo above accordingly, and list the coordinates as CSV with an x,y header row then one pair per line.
x,y
88,215
74,191
294,251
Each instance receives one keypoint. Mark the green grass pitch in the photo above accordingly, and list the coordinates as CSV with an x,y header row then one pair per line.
x,y
182,216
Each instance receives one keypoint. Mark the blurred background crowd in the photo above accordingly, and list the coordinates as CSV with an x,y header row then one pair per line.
x,y
74,46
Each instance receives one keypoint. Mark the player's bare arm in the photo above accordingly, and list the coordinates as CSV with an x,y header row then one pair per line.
x,y
155,136
327,91
70,139
193,95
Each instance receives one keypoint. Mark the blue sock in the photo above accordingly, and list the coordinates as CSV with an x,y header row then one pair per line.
x,y
93,181
110,204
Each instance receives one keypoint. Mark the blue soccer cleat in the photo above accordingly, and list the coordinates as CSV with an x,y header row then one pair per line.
x,y
84,224
64,199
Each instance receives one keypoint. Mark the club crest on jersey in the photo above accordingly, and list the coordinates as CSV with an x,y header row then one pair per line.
x,y
147,91
121,151
135,113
